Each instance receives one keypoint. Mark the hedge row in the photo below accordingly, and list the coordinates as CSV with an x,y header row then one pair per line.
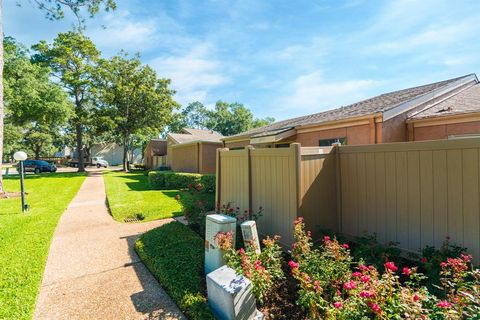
x,y
177,180
175,255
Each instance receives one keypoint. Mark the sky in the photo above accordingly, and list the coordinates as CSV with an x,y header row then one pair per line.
x,y
280,58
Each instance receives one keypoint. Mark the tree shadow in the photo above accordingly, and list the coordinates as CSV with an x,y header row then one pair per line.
x,y
153,301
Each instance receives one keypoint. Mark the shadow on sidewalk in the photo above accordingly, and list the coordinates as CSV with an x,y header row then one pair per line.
x,y
152,301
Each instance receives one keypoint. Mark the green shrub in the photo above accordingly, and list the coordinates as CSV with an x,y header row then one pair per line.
x,y
195,205
178,180
208,183
156,179
175,256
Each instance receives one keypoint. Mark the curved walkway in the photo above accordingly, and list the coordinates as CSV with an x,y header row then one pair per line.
x,y
92,270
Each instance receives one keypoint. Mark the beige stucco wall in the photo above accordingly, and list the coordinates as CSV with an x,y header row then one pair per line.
x,y
184,158
436,132
208,157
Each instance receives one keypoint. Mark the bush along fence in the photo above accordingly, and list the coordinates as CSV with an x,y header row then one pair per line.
x,y
175,180
413,193
330,284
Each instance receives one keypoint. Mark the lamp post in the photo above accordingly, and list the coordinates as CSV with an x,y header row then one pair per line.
x,y
21,156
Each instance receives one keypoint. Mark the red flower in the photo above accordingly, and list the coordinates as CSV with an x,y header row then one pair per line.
x,y
443,264
326,238
416,297
466,257
349,285
367,294
424,260
365,278
444,304
241,251
363,267
258,265
391,266
406,271
309,233
375,308
338,305
346,246
357,274
292,264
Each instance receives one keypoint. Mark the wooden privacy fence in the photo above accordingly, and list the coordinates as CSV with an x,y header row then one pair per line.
x,y
283,181
413,193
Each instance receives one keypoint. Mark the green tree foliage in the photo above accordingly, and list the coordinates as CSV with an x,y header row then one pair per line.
x,y
37,108
134,100
54,10
73,57
227,118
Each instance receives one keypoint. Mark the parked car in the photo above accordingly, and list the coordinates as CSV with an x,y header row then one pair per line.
x,y
37,166
99,162
95,161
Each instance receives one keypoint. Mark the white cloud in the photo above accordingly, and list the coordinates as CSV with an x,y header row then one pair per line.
x,y
193,74
313,93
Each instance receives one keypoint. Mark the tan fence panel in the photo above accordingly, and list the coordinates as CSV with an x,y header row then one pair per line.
x,y
413,193
274,180
233,178
318,189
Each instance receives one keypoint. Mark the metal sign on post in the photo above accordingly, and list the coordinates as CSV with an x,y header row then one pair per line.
x,y
250,234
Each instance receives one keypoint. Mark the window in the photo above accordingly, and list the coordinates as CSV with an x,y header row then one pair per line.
x,y
282,145
329,142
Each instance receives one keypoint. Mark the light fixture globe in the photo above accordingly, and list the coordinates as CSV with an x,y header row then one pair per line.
x,y
20,156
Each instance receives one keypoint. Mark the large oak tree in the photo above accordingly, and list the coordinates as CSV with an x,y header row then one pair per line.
x,y
54,10
134,100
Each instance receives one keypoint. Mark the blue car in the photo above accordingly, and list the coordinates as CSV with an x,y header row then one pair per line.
x,y
37,166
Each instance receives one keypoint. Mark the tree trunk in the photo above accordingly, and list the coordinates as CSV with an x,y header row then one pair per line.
x,y
1,95
125,152
37,152
81,162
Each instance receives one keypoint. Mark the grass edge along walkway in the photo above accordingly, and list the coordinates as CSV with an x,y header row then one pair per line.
x,y
25,238
174,254
129,194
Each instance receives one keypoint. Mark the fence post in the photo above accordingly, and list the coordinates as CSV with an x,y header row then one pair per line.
x,y
218,173
248,149
297,158
338,174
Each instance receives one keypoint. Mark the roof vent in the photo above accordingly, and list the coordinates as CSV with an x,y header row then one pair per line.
x,y
444,109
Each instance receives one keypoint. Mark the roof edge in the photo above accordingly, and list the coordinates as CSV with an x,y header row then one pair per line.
x,y
424,98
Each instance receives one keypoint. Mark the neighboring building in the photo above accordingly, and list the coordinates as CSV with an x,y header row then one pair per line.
x,y
455,117
384,118
155,154
113,153
193,150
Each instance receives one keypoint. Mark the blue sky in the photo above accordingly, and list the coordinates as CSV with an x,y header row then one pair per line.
x,y
281,58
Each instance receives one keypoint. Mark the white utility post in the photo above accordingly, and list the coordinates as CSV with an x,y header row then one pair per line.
x,y
216,223
250,234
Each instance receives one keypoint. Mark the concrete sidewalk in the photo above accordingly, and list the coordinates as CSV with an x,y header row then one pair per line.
x,y
92,270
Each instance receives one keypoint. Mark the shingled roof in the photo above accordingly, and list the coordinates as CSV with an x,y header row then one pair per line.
x,y
378,104
466,101
191,135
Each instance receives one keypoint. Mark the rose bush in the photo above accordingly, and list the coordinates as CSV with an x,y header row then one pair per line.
x,y
263,269
333,286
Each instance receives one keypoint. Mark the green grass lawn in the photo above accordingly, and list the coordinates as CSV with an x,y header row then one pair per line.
x,y
25,238
129,194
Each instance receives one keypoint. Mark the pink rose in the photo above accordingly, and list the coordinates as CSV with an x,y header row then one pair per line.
x,y
391,266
